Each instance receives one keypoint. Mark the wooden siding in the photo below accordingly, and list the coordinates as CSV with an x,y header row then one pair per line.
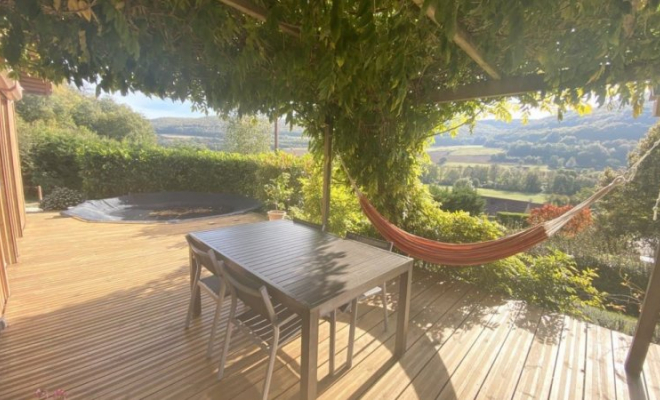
x,y
99,309
12,203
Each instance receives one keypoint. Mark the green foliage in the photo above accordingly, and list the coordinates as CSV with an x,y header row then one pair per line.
x,y
345,212
69,109
621,274
628,210
616,321
61,198
107,168
512,219
49,156
110,170
551,281
278,191
247,135
459,198
370,73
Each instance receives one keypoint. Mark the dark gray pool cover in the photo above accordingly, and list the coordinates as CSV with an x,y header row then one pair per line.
x,y
169,207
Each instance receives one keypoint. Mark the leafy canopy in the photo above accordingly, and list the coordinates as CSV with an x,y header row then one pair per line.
x,y
73,111
370,68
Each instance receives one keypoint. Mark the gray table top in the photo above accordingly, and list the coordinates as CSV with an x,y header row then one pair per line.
x,y
301,266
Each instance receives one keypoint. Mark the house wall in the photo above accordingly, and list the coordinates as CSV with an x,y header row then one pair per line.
x,y
12,203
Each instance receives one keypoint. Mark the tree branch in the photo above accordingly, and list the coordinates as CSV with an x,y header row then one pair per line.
x,y
464,41
260,13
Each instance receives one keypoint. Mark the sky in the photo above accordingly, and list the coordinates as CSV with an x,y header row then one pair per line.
x,y
157,108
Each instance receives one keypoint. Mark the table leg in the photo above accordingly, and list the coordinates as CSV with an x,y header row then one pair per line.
x,y
403,311
309,356
197,302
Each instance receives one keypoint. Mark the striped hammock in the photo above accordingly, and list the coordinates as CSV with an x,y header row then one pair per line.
x,y
466,254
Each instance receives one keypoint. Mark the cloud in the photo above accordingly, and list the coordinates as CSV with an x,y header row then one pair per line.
x,y
154,107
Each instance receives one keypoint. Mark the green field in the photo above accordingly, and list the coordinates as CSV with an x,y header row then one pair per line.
x,y
504,194
481,164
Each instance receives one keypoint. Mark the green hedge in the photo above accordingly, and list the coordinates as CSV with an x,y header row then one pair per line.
x,y
107,168
511,219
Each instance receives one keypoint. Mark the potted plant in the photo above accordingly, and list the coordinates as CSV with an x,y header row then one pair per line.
x,y
278,193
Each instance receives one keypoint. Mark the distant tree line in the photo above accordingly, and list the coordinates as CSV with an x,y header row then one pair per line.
x,y
597,140
72,112
513,178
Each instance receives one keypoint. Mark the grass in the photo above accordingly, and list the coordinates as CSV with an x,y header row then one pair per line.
x,y
505,194
616,322
488,163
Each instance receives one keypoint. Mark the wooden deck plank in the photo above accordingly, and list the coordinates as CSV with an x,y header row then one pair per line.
x,y
569,375
599,373
627,387
370,318
438,328
652,372
467,380
511,361
99,312
438,372
368,339
536,377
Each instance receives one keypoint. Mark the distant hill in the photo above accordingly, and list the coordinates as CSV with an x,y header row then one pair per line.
x,y
597,140
203,127
210,131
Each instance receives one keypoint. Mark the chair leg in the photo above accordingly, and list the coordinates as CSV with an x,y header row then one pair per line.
x,y
216,320
225,346
384,300
193,294
333,339
351,334
271,362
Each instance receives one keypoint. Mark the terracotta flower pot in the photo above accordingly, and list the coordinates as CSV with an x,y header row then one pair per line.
x,y
274,215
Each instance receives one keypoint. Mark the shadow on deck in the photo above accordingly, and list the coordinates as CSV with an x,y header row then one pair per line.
x,y
98,310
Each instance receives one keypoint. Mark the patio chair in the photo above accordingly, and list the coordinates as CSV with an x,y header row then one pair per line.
x,y
269,324
212,285
351,308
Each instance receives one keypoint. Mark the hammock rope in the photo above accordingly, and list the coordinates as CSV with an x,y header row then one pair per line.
x,y
468,254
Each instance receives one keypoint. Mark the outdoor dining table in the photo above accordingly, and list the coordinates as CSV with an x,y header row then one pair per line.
x,y
312,272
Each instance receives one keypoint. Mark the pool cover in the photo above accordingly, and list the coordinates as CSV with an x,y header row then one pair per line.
x,y
168,207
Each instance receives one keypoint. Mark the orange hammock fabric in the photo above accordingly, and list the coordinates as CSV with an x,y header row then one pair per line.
x,y
472,253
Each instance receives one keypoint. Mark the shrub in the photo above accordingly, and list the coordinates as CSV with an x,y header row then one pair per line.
x,y
107,168
462,197
278,192
114,169
513,220
61,198
620,272
549,211
617,322
49,158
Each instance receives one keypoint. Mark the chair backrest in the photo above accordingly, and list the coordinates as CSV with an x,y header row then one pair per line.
x,y
381,244
201,257
251,293
307,223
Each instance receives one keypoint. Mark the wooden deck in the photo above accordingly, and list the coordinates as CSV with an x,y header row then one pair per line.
x,y
98,310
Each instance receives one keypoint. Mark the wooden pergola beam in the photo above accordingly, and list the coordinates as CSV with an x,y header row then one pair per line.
x,y
492,88
463,40
260,13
